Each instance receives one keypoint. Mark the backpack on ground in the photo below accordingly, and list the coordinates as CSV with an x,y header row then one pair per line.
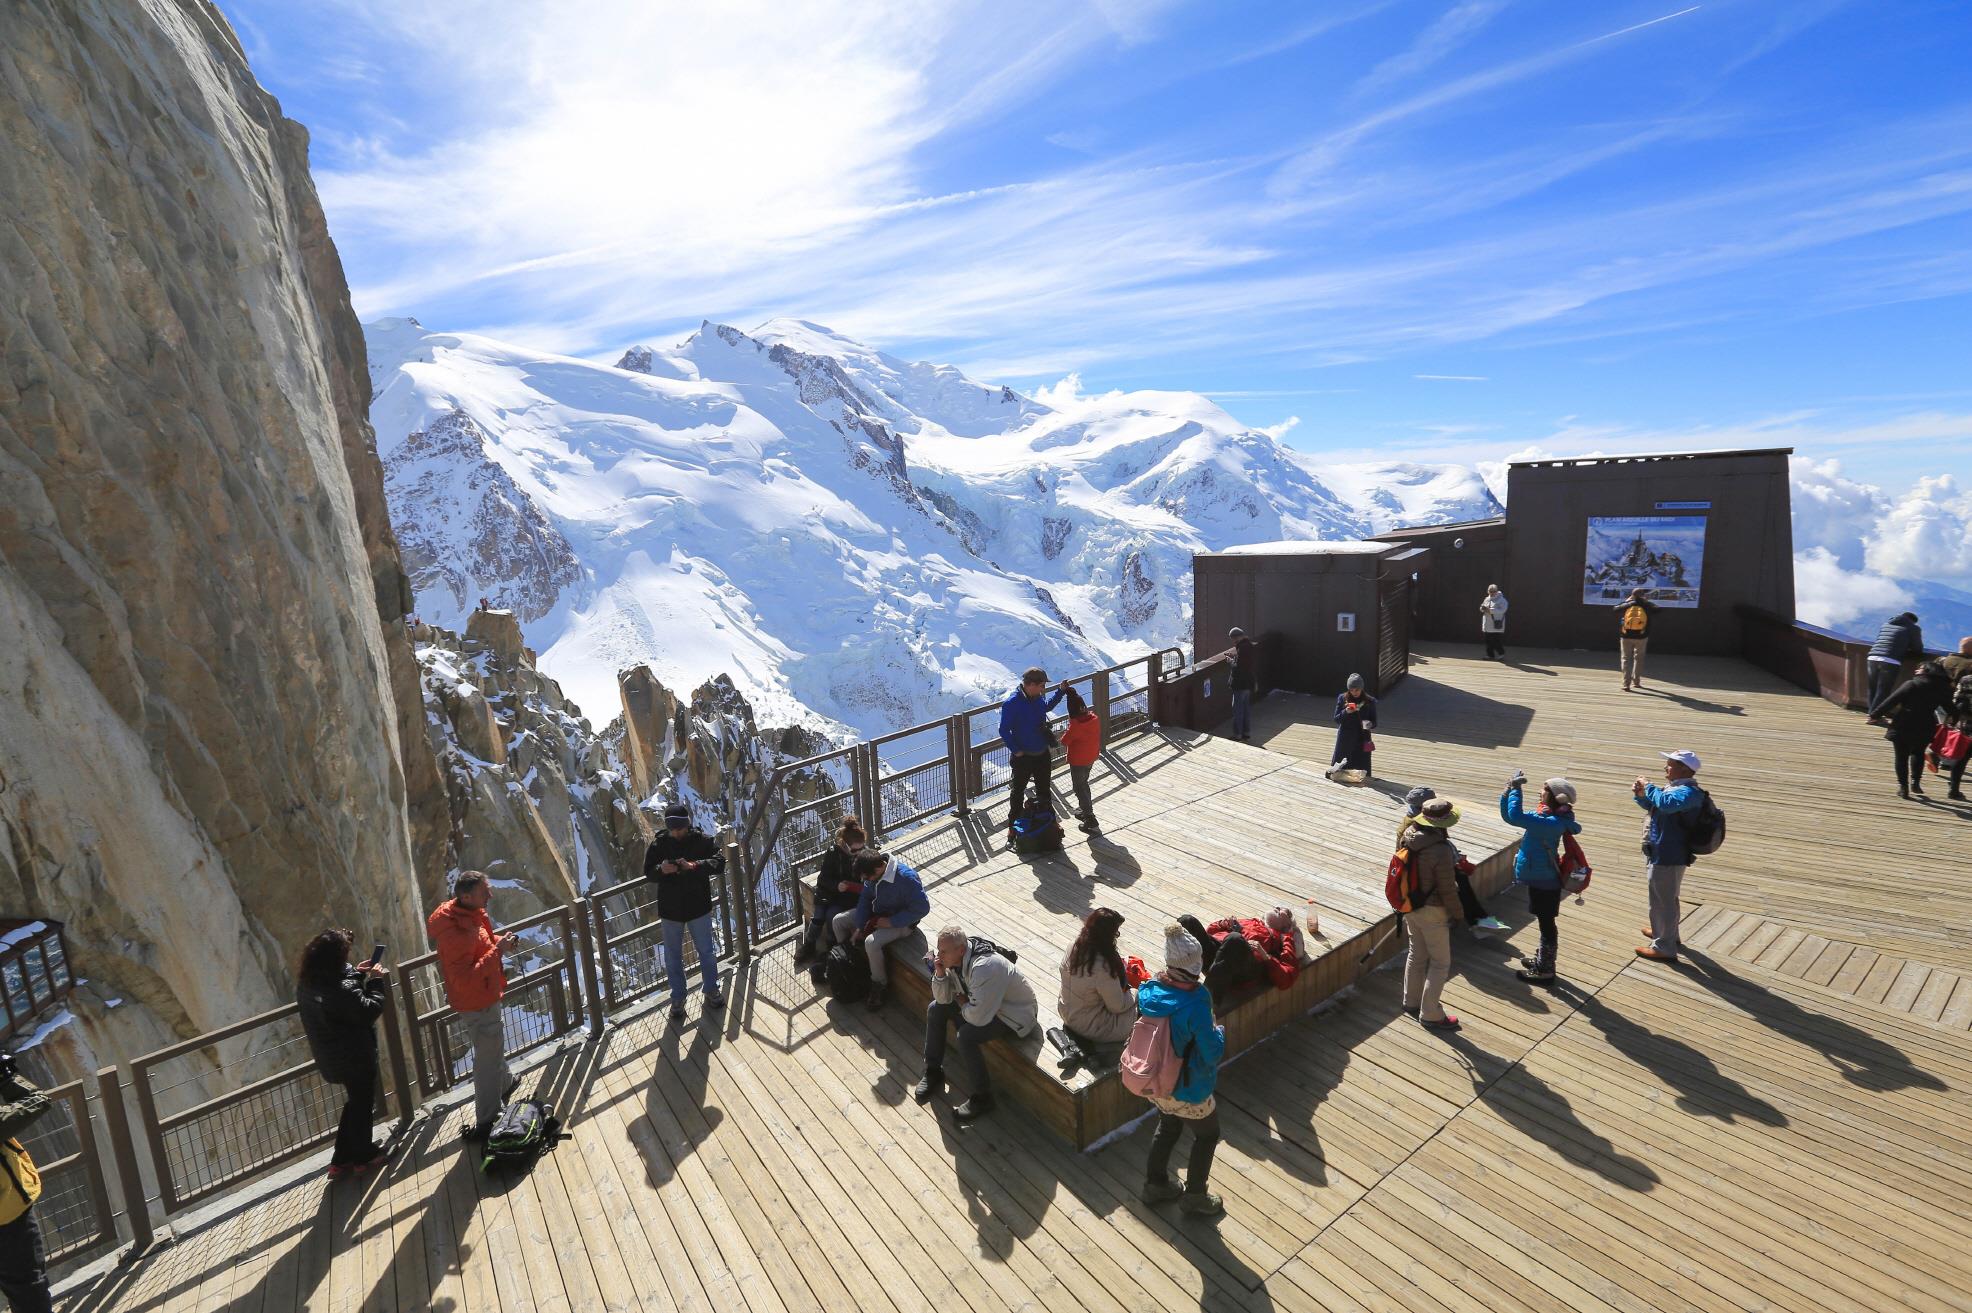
x,y
1037,830
1400,881
846,970
523,1129
1636,621
1150,1067
1705,832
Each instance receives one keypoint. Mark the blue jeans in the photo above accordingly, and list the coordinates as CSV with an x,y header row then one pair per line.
x,y
1242,712
674,956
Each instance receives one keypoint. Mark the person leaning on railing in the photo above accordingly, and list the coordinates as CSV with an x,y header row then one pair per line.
x,y
339,1006
23,1258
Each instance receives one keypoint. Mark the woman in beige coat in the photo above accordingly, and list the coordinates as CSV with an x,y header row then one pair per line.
x,y
1097,1003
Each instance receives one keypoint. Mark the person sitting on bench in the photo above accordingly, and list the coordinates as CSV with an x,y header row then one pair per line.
x,y
1097,1005
976,988
890,906
836,888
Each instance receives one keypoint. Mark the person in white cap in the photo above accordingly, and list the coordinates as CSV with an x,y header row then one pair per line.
x,y
1667,848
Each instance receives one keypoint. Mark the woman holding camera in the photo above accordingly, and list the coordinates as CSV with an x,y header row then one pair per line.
x,y
339,1006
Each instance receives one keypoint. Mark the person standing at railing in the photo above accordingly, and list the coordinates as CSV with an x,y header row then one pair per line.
x,y
469,953
836,888
1899,640
1029,742
683,861
23,1257
1242,681
339,1006
1081,743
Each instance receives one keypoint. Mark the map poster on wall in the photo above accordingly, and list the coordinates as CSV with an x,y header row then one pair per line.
x,y
1664,553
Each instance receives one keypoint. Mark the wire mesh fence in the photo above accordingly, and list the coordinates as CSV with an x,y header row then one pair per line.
x,y
631,940
542,1001
74,1211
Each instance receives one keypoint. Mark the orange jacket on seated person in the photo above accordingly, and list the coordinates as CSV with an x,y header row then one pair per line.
x,y
1276,949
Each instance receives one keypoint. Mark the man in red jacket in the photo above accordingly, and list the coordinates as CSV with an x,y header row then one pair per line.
x,y
469,963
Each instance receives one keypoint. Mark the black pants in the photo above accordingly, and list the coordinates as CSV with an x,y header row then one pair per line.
x,y
1910,767
1958,774
1545,904
1882,679
24,1266
1495,643
1468,901
1208,947
971,1039
1204,1143
1029,768
359,1116
1085,798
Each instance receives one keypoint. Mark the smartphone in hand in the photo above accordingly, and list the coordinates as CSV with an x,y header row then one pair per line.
x,y
376,954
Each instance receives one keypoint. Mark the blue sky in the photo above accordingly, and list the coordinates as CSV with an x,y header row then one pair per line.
x,y
1452,229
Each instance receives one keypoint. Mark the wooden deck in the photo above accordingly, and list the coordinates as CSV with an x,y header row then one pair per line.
x,y
1781,1124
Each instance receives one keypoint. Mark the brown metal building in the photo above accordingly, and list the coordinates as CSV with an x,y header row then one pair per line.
x,y
1339,608
1704,531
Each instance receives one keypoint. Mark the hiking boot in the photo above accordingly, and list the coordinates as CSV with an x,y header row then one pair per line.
x,y
715,999
875,1000
1902,792
929,1086
1531,963
1534,976
1201,1203
804,950
1160,1192
1956,796
973,1108
1089,826
678,1013
1917,788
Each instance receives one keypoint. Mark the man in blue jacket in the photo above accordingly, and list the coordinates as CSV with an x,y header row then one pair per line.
x,y
1667,847
1024,729
891,904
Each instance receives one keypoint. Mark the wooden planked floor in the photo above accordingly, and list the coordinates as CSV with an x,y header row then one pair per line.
x,y
1725,1135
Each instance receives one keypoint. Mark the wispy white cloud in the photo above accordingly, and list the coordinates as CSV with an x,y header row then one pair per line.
x,y
1448,32
1282,429
1452,378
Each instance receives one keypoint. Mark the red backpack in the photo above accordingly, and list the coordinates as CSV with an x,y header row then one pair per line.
x,y
1400,882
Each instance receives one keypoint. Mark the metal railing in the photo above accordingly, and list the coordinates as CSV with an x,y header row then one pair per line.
x,y
74,1211
217,1109
34,972
279,1108
899,780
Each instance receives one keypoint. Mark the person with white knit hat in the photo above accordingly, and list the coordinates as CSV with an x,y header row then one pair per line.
x,y
1178,994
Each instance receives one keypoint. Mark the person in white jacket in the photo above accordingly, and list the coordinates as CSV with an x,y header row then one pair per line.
x,y
976,987
1492,621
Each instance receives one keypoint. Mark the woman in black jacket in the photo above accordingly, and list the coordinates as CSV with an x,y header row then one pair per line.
x,y
836,886
1913,715
339,1006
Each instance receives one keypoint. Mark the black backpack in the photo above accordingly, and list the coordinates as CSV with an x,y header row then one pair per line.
x,y
523,1129
1704,832
846,970
981,947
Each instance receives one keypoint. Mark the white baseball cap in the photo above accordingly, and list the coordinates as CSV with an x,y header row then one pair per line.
x,y
1684,757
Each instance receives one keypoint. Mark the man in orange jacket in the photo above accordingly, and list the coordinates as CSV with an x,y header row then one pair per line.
x,y
469,963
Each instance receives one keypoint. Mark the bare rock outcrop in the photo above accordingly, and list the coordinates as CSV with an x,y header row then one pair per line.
x,y
211,737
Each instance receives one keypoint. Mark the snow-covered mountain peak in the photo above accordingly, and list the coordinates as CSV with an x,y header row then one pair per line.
x,y
857,540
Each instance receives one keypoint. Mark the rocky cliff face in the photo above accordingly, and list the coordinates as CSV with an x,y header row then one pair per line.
x,y
211,731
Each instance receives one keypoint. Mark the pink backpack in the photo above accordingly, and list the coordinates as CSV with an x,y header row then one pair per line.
x,y
1150,1066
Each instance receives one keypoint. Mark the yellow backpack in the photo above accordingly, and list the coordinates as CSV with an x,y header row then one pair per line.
x,y
1636,621
20,1183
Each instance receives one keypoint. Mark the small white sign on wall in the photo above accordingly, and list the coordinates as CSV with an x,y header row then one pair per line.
x,y
1345,622
1208,688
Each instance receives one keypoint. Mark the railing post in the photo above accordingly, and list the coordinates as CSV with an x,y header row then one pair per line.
x,y
140,1081
400,1072
1154,694
957,750
743,944
869,769
129,1177
404,989
1099,695
599,920
586,939
558,1002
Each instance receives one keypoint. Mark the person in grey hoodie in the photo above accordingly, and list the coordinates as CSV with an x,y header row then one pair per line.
x,y
976,988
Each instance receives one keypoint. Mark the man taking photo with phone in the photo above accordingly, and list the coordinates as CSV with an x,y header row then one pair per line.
x,y
469,953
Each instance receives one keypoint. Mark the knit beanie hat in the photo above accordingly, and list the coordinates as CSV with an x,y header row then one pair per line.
x,y
1181,951
1414,800
1561,790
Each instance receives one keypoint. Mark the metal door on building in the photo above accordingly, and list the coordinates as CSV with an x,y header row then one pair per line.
x,y
1393,634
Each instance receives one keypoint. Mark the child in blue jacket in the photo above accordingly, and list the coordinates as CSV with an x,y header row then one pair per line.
x,y
1199,1041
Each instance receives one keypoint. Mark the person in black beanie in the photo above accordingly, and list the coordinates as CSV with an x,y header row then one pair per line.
x,y
682,861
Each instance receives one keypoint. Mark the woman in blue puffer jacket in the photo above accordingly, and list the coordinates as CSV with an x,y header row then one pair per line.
x,y
1199,1042
1538,864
